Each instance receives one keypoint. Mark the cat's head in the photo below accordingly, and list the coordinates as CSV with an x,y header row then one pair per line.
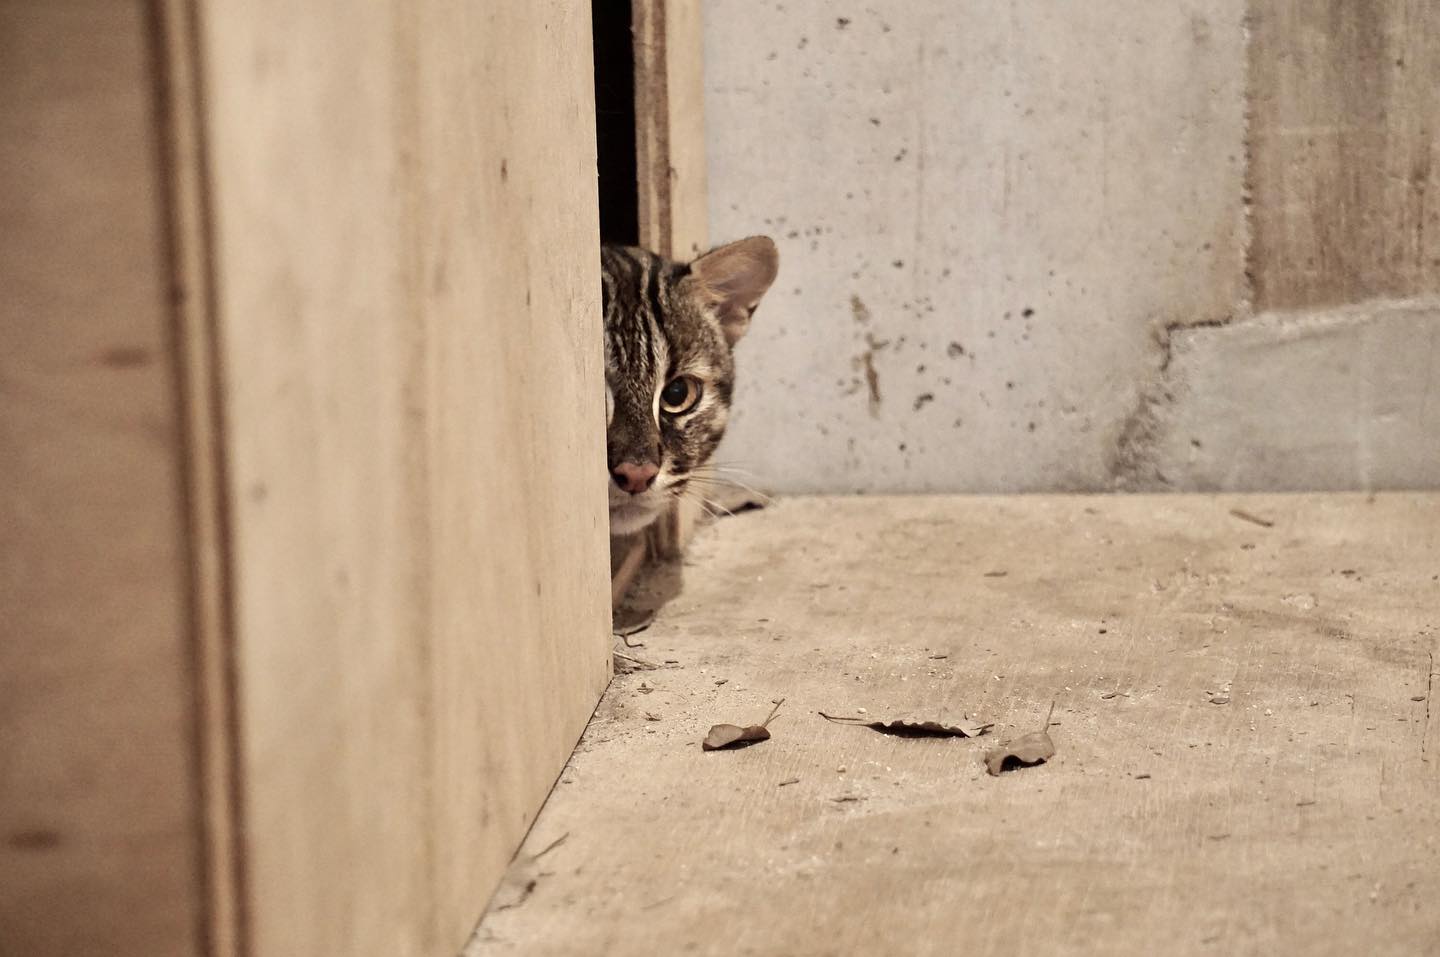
x,y
669,373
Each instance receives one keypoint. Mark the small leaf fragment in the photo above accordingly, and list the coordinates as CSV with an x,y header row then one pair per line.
x,y
730,735
628,664
1025,751
910,726
734,736
1252,518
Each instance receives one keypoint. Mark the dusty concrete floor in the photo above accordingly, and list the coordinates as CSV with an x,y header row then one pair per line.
x,y
1247,739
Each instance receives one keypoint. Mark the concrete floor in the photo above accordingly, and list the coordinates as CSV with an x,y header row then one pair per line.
x,y
1243,714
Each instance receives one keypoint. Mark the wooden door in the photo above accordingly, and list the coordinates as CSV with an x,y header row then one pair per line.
x,y
304,579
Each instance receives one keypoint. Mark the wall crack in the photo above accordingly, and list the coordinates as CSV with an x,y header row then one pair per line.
x,y
1133,463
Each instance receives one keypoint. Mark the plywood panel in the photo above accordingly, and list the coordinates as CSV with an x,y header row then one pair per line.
x,y
670,165
670,126
319,341
519,604
100,833
1343,144
304,570
405,231
213,716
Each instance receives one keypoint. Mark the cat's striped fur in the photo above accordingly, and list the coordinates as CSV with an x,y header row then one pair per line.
x,y
669,371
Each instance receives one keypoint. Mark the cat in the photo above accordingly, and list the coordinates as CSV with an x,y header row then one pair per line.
x,y
670,329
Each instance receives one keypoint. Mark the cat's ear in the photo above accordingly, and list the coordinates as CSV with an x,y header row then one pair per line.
x,y
732,278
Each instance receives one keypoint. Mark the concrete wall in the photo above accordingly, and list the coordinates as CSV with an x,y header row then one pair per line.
x,y
1036,246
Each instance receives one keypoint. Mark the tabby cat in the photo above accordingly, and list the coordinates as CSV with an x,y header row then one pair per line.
x,y
669,373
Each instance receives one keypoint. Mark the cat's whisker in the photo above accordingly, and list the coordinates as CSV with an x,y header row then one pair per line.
x,y
715,509
728,472
729,461
723,486
726,482
728,468
711,507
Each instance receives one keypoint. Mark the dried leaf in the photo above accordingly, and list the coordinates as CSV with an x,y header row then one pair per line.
x,y
908,726
1252,518
727,735
734,736
628,664
1023,752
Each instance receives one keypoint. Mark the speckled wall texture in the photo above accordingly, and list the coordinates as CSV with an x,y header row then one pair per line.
x,y
994,219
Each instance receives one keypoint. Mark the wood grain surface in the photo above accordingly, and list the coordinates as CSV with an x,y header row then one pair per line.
x,y
100,827
408,309
670,169
1343,148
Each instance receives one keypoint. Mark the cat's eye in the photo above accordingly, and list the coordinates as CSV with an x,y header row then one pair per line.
x,y
680,395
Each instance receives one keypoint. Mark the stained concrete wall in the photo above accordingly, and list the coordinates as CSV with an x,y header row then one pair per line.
x,y
1022,243
1324,399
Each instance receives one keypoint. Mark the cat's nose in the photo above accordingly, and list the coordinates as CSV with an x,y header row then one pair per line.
x,y
634,478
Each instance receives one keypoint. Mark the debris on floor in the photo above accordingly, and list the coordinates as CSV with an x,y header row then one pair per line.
x,y
658,819
523,876
909,726
1253,519
1025,751
626,664
733,736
